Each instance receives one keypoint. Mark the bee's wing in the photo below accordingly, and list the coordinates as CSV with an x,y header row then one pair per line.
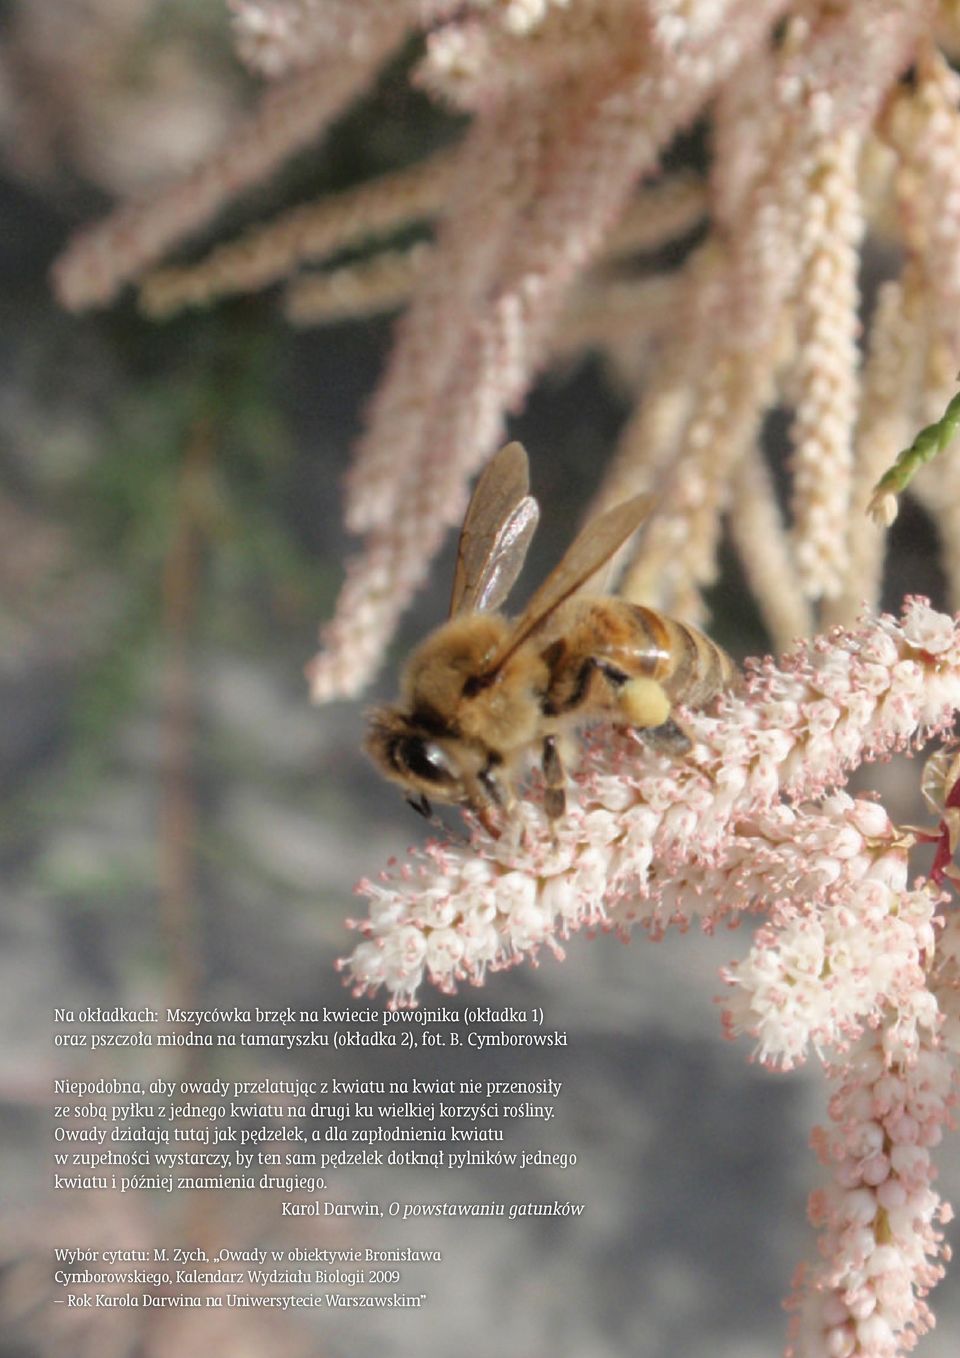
x,y
594,545
496,533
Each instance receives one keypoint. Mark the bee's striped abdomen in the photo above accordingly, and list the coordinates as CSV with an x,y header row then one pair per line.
x,y
694,668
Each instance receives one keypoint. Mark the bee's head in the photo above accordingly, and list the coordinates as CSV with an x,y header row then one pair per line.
x,y
427,758
420,756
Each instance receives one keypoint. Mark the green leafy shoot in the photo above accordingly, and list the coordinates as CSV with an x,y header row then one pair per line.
x,y
882,506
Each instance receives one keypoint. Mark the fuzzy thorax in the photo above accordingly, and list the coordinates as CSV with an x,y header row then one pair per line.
x,y
504,714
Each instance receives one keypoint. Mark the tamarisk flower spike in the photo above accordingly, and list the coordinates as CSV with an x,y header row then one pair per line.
x,y
851,959
737,824
880,1247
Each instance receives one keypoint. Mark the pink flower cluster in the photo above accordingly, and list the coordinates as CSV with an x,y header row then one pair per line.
x,y
743,822
880,1246
851,960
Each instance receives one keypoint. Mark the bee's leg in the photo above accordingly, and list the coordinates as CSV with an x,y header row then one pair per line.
x,y
667,738
487,819
494,791
555,800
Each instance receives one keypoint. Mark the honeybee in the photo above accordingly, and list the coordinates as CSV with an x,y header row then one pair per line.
x,y
484,689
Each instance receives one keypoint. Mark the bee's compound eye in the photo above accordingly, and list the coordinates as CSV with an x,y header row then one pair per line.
x,y
427,760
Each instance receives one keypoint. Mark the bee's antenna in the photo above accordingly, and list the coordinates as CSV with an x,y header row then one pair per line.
x,y
422,807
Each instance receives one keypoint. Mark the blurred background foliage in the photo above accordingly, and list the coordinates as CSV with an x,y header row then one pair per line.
x,y
101,476
121,438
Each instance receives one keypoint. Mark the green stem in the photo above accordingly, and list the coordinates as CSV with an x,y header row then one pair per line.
x,y
928,443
